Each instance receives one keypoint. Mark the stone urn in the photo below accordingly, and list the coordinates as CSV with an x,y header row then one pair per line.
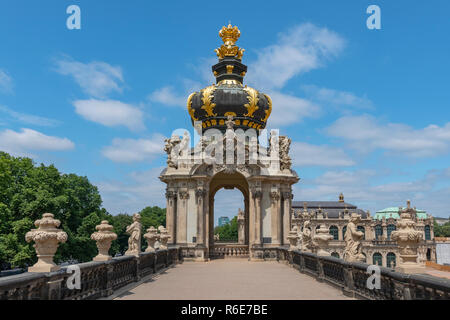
x,y
293,238
151,236
163,237
46,238
408,241
104,236
322,238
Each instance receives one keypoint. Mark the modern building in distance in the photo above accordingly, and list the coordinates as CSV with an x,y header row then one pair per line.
x,y
441,221
223,221
377,245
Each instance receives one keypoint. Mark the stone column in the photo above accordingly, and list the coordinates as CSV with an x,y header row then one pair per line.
x,y
241,226
287,203
200,196
46,239
275,213
258,221
181,232
408,241
252,220
104,236
171,215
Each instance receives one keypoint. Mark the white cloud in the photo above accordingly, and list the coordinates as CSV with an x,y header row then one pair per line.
x,y
96,78
301,49
168,96
304,154
110,113
134,150
135,192
20,143
337,98
6,83
288,109
365,134
28,118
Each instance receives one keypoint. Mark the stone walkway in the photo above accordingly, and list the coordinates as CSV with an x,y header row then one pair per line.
x,y
232,280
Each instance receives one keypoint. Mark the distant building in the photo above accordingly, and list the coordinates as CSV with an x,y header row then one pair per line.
x,y
377,245
223,221
441,221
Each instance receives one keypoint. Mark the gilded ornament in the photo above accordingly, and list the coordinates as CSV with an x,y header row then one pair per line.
x,y
189,107
229,36
252,102
269,111
208,106
230,68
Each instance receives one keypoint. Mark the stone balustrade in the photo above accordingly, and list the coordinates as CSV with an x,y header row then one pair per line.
x,y
230,250
98,278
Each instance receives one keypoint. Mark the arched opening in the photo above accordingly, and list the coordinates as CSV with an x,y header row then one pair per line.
x,y
390,260
365,257
428,254
227,204
335,254
344,230
427,232
377,259
231,184
334,231
390,228
378,232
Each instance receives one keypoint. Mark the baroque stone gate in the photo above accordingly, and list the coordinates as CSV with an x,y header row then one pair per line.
x,y
230,152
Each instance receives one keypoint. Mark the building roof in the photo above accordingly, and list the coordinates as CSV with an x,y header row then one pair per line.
x,y
333,208
392,212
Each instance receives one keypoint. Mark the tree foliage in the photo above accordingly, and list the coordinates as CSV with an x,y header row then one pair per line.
x,y
229,231
27,191
442,231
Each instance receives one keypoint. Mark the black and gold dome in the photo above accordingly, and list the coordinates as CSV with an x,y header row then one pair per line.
x,y
229,97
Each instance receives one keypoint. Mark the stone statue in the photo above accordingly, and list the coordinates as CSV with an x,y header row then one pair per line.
x,y
321,239
307,243
285,160
104,236
151,236
172,152
408,241
46,238
134,241
229,122
352,238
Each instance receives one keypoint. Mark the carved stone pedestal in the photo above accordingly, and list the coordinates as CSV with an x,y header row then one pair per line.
x,y
104,236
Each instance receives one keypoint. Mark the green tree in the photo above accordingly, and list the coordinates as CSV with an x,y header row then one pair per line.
x,y
442,231
229,231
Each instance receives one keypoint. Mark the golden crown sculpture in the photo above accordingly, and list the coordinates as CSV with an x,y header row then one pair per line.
x,y
229,36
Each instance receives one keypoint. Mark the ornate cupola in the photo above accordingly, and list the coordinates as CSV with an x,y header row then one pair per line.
x,y
229,97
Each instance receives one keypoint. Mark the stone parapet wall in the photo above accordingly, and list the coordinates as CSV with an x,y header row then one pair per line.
x,y
98,279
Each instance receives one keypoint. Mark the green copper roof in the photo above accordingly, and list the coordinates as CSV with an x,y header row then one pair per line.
x,y
393,212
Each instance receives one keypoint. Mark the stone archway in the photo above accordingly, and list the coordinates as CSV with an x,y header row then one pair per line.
x,y
227,181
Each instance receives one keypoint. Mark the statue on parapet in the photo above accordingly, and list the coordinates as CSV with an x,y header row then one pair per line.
x,y
307,242
135,232
353,239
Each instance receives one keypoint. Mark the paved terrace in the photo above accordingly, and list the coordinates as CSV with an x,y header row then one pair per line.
x,y
232,279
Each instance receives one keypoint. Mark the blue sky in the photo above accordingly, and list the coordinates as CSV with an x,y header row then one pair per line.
x,y
367,110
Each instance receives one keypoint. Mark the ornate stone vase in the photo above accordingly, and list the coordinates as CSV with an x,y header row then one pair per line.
x,y
103,237
408,241
322,238
151,236
293,239
164,237
46,238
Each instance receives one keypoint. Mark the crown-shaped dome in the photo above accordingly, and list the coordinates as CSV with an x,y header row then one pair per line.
x,y
228,97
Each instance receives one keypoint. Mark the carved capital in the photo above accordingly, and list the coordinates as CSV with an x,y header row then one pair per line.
x,y
171,194
286,195
257,194
184,195
274,196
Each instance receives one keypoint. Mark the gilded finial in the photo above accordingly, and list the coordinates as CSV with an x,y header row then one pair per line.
x,y
229,36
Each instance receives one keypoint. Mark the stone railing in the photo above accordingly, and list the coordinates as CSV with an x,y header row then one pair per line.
x,y
98,279
351,277
230,250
